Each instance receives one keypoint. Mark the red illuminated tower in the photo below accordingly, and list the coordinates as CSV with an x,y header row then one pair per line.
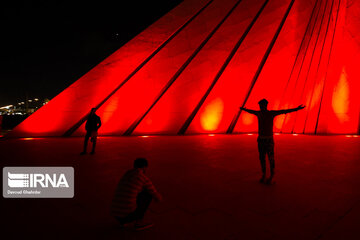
x,y
191,70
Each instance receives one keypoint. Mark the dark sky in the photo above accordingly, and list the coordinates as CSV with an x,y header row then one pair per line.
x,y
47,45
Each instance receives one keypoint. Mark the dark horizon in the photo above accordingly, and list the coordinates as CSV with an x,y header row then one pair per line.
x,y
48,45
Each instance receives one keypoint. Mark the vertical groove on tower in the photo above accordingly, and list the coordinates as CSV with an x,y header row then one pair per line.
x,y
181,69
310,64
261,65
318,66
302,62
83,119
327,68
312,16
220,72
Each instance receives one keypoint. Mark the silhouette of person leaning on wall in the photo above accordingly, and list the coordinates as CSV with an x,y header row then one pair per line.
x,y
265,138
133,196
92,125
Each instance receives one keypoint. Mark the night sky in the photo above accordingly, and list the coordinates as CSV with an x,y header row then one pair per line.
x,y
47,45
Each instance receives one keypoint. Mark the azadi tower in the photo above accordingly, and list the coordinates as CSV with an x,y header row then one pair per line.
x,y
190,71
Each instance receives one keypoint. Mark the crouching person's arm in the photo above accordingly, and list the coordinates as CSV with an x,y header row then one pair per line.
x,y
150,188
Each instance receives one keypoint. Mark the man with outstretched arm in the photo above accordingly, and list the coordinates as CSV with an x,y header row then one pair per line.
x,y
265,138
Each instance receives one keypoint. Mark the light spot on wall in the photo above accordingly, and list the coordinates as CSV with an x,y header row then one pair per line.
x,y
212,115
340,98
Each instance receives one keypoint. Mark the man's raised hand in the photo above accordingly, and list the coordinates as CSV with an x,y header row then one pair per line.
x,y
301,107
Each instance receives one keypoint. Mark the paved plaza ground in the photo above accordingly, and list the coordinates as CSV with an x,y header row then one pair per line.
x,y
209,184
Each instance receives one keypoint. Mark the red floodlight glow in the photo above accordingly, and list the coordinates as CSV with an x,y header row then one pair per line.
x,y
340,99
211,116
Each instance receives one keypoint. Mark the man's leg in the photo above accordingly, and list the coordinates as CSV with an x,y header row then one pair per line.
x,y
270,152
93,145
125,220
86,139
143,202
262,154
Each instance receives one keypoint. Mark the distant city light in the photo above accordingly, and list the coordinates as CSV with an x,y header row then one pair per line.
x,y
7,107
36,99
30,100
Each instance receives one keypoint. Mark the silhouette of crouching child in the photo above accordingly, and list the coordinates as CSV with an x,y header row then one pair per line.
x,y
133,196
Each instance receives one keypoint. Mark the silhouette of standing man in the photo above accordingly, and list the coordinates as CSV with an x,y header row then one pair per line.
x,y
93,123
265,139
